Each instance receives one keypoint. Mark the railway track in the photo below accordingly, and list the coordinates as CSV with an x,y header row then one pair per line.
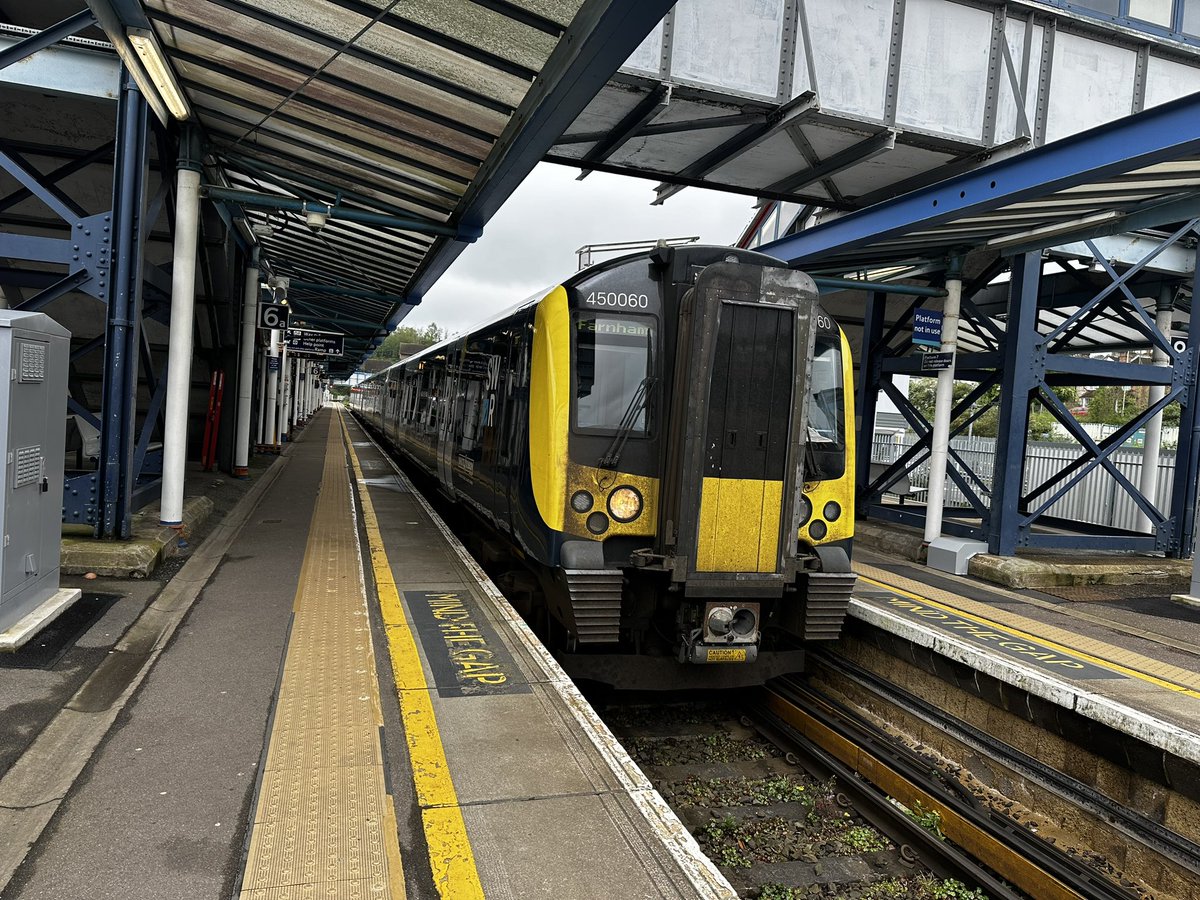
x,y
794,797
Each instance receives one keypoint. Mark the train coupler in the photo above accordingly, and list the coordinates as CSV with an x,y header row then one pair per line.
x,y
729,634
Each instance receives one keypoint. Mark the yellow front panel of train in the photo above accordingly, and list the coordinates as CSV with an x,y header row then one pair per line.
x,y
739,525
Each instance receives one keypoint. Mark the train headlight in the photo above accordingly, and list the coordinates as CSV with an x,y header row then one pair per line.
x,y
805,509
597,523
581,501
818,530
625,504
832,511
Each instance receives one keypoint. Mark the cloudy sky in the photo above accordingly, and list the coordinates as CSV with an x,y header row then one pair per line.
x,y
530,243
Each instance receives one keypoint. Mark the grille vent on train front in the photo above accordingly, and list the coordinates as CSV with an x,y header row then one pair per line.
x,y
828,598
596,604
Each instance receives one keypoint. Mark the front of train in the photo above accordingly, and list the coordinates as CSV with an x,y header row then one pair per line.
x,y
690,434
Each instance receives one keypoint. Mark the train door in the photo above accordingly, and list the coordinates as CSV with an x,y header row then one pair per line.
x,y
734,460
749,411
447,423
516,414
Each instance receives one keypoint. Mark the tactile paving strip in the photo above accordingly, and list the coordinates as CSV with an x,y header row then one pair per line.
x,y
324,825
1099,650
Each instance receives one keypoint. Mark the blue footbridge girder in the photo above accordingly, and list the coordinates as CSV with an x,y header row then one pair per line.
x,y
1137,174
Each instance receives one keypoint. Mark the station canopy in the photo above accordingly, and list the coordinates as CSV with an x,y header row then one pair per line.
x,y
398,127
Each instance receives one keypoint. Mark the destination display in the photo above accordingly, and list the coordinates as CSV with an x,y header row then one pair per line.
x,y
315,343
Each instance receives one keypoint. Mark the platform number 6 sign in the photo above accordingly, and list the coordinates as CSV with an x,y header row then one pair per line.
x,y
272,315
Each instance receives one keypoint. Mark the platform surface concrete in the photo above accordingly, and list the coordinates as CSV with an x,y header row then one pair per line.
x,y
1032,568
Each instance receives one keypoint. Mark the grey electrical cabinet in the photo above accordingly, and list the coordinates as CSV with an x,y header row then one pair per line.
x,y
34,355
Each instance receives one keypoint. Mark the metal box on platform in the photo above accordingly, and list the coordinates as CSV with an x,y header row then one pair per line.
x,y
34,355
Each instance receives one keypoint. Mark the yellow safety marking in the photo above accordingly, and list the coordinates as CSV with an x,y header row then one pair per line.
x,y
450,855
1021,633
739,525
324,822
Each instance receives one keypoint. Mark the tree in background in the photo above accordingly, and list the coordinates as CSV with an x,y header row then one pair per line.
x,y
411,338
1114,405
923,394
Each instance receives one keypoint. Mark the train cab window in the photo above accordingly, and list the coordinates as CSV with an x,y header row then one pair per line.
x,y
614,369
826,412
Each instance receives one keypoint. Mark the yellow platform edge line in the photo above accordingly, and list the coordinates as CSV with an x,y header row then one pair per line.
x,y
451,857
1061,648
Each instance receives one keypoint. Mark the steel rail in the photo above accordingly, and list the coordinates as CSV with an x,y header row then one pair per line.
x,y
886,771
1153,835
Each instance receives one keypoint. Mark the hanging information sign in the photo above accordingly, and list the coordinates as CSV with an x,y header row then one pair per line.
x,y
927,327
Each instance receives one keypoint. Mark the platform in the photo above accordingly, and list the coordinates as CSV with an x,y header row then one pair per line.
x,y
1130,667
307,731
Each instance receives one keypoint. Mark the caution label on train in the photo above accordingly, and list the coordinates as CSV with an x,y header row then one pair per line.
x,y
993,637
464,652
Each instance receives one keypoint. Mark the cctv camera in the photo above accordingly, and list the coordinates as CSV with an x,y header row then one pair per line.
x,y
315,218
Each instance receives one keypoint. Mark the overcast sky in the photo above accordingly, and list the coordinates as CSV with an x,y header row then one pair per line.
x,y
530,243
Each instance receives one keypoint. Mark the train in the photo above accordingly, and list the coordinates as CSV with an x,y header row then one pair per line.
x,y
662,444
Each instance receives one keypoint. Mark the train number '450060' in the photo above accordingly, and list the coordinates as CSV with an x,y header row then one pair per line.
x,y
617,300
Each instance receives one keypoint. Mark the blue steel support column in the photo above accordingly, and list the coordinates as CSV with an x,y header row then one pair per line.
x,y
1023,369
869,373
123,327
1187,455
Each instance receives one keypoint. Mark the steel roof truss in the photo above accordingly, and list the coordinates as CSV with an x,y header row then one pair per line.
x,y
292,180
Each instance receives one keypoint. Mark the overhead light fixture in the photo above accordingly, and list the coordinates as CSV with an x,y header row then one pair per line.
x,y
1053,230
148,51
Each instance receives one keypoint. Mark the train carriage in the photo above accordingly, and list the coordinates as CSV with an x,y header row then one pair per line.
x,y
664,441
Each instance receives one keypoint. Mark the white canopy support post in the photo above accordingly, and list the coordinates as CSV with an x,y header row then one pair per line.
x,y
944,403
271,432
281,407
298,381
183,298
1148,483
241,443
262,394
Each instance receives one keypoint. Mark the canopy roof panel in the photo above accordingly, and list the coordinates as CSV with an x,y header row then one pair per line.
x,y
1139,172
405,124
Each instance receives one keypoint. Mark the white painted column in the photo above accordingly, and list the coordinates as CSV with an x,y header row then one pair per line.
x,y
1148,483
270,432
281,408
941,415
241,443
297,409
261,361
308,389
179,361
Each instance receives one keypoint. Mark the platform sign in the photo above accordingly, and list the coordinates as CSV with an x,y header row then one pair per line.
x,y
927,328
272,363
936,362
272,315
316,343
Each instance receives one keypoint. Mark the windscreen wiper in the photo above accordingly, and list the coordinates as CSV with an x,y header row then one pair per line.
x,y
637,403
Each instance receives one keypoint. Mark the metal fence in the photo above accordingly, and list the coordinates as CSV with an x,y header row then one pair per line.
x,y
1097,499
